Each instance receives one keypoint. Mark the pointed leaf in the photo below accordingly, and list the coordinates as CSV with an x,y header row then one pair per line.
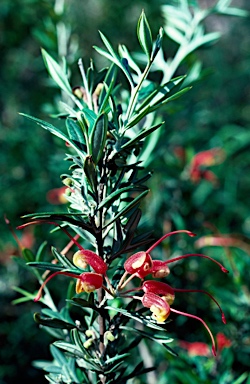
x,y
98,137
129,206
144,133
144,35
116,194
62,259
90,172
57,73
52,322
49,127
28,255
75,133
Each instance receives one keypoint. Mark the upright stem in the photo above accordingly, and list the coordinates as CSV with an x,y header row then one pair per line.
x,y
101,292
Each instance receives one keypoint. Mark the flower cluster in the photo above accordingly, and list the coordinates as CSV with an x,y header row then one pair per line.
x,y
159,296
156,295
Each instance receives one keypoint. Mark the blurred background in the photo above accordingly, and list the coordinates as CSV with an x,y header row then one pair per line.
x,y
207,194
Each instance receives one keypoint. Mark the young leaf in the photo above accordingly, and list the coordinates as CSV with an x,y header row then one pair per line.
x,y
144,35
52,322
75,133
28,255
49,127
90,172
57,73
158,44
98,137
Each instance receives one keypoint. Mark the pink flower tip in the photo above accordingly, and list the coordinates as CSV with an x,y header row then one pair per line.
x,y
223,317
213,350
191,234
224,270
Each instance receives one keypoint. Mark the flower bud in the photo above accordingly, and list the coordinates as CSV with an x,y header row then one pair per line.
x,y
109,336
68,182
88,343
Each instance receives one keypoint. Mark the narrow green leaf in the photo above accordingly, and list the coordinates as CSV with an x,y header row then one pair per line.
x,y
52,267
75,133
109,46
138,317
158,44
168,99
70,348
144,35
123,51
90,172
127,208
51,379
160,93
117,194
109,78
116,358
58,355
202,40
62,259
27,295
52,322
107,55
136,118
114,57
28,255
98,137
144,133
55,131
40,251
242,378
175,35
56,72
105,101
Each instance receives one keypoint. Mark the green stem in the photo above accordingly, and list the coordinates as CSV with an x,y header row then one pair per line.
x,y
135,92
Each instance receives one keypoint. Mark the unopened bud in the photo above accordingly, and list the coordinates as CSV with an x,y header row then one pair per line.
x,y
88,343
68,182
109,336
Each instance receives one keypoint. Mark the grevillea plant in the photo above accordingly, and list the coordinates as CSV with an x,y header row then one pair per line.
x,y
118,285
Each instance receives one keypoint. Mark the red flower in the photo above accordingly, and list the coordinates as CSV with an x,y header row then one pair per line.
x,y
159,269
202,349
158,306
56,196
205,159
222,240
141,264
86,282
89,282
196,348
159,288
222,341
84,257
